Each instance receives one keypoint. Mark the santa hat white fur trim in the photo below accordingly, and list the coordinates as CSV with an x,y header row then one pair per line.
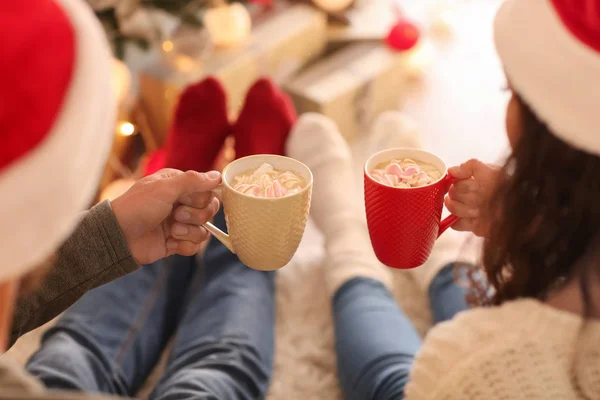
x,y
43,192
556,75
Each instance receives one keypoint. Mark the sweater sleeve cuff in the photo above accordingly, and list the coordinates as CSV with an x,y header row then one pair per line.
x,y
112,236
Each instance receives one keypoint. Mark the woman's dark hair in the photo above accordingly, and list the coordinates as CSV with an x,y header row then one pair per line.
x,y
544,216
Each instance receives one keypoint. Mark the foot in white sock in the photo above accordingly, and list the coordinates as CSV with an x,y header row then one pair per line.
x,y
336,210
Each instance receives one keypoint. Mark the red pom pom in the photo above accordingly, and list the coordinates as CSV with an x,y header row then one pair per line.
x,y
403,36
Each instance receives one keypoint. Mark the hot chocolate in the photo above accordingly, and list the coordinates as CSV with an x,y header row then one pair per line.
x,y
269,182
405,173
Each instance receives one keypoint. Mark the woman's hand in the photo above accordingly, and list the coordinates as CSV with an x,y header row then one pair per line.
x,y
162,214
468,198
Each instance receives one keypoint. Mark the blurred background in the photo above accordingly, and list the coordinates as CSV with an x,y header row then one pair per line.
x,y
432,60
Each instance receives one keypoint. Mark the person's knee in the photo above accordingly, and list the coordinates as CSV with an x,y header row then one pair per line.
x,y
211,382
202,384
224,369
63,362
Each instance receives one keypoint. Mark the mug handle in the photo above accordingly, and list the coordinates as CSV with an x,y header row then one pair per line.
x,y
216,232
220,236
450,219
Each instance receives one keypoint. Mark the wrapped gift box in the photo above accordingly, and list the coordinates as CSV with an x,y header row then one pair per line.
x,y
279,46
352,86
367,20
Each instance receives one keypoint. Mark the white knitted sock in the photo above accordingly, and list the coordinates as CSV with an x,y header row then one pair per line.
x,y
335,208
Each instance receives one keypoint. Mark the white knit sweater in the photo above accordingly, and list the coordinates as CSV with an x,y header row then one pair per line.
x,y
521,350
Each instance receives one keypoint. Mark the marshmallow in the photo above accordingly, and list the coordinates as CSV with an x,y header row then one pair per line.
x,y
266,181
405,173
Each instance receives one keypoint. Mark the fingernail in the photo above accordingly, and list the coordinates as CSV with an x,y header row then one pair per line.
x,y
184,215
213,174
180,230
172,244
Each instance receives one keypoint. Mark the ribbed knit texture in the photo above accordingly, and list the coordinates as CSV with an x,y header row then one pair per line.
x,y
316,141
521,350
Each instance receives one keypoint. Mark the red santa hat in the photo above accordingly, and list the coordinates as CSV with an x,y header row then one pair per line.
x,y
551,54
57,117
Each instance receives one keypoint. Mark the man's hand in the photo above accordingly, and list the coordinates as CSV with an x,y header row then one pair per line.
x,y
162,214
469,198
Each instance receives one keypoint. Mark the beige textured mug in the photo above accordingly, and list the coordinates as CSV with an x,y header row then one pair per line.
x,y
263,232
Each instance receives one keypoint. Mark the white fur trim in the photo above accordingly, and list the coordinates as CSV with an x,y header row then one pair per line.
x,y
43,193
556,74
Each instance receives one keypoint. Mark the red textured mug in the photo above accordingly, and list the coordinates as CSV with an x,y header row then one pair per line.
x,y
404,223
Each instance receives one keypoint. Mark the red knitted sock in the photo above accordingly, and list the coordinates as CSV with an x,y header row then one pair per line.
x,y
264,122
154,162
199,127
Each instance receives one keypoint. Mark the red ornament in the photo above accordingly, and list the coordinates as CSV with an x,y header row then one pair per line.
x,y
403,36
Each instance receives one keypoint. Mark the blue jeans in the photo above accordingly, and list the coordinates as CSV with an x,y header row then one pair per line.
x,y
375,341
222,316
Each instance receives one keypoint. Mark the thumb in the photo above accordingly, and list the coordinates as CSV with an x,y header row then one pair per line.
x,y
192,182
469,169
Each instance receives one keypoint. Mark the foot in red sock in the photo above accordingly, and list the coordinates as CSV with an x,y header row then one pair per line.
x,y
265,121
199,127
154,162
